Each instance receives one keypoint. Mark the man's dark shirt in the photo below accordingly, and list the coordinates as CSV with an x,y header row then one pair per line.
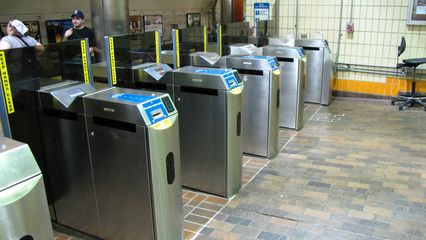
x,y
83,33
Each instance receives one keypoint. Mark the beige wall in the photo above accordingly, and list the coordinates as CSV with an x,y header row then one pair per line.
x,y
379,26
41,10
173,12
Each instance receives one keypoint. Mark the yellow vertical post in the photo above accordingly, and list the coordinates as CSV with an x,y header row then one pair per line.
x,y
6,84
177,50
157,48
205,38
84,61
112,58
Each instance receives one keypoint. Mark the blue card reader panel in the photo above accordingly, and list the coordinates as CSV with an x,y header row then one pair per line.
x,y
156,109
229,76
135,98
271,61
219,72
300,52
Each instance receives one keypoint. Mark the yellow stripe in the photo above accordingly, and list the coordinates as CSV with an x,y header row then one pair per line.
x,y
6,85
84,61
390,87
177,50
220,40
205,38
157,48
112,58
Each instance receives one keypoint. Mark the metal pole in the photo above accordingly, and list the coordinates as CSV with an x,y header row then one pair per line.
x,y
109,17
296,26
339,38
277,17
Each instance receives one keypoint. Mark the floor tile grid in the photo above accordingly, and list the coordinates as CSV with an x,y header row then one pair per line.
x,y
248,170
251,167
325,196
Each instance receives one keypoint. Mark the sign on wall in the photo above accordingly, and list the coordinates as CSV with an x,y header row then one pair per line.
x,y
135,24
56,29
416,14
261,11
153,23
193,19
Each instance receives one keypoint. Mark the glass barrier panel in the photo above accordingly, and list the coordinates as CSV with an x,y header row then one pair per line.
x,y
191,40
134,49
264,30
233,33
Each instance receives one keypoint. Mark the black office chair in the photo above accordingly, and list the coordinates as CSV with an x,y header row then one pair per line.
x,y
409,99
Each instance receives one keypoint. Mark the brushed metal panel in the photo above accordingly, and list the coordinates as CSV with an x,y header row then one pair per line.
x,y
288,96
301,78
314,70
28,213
167,198
120,169
186,76
327,77
256,108
274,112
203,140
234,143
70,172
25,127
17,163
292,94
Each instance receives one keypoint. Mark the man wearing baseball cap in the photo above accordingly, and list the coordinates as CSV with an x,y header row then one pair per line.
x,y
79,31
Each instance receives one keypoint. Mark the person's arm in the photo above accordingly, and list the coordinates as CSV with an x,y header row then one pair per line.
x,y
67,34
39,48
92,42
4,45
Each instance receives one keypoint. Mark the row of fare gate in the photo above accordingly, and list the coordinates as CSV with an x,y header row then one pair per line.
x,y
114,158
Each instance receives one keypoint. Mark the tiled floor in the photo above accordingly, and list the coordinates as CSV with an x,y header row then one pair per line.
x,y
357,170
200,208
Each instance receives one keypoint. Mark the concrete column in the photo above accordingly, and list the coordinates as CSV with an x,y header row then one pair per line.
x,y
109,17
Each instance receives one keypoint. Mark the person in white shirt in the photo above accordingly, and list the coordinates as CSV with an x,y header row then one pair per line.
x,y
17,38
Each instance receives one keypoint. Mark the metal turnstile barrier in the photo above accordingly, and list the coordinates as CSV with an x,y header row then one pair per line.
x,y
209,102
319,70
244,49
206,59
63,129
134,146
24,212
151,77
261,102
292,64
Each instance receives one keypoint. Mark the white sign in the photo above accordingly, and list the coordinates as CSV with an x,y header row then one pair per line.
x,y
261,11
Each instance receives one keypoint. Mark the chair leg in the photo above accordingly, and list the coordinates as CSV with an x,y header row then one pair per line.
x,y
419,102
401,107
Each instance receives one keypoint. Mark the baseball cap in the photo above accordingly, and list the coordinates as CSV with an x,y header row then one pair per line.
x,y
19,26
77,13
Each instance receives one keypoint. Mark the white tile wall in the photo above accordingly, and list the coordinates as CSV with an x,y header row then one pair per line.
x,y
379,26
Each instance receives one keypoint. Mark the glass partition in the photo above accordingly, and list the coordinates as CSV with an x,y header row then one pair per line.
x,y
233,33
25,74
24,71
167,52
134,49
264,30
125,51
193,39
